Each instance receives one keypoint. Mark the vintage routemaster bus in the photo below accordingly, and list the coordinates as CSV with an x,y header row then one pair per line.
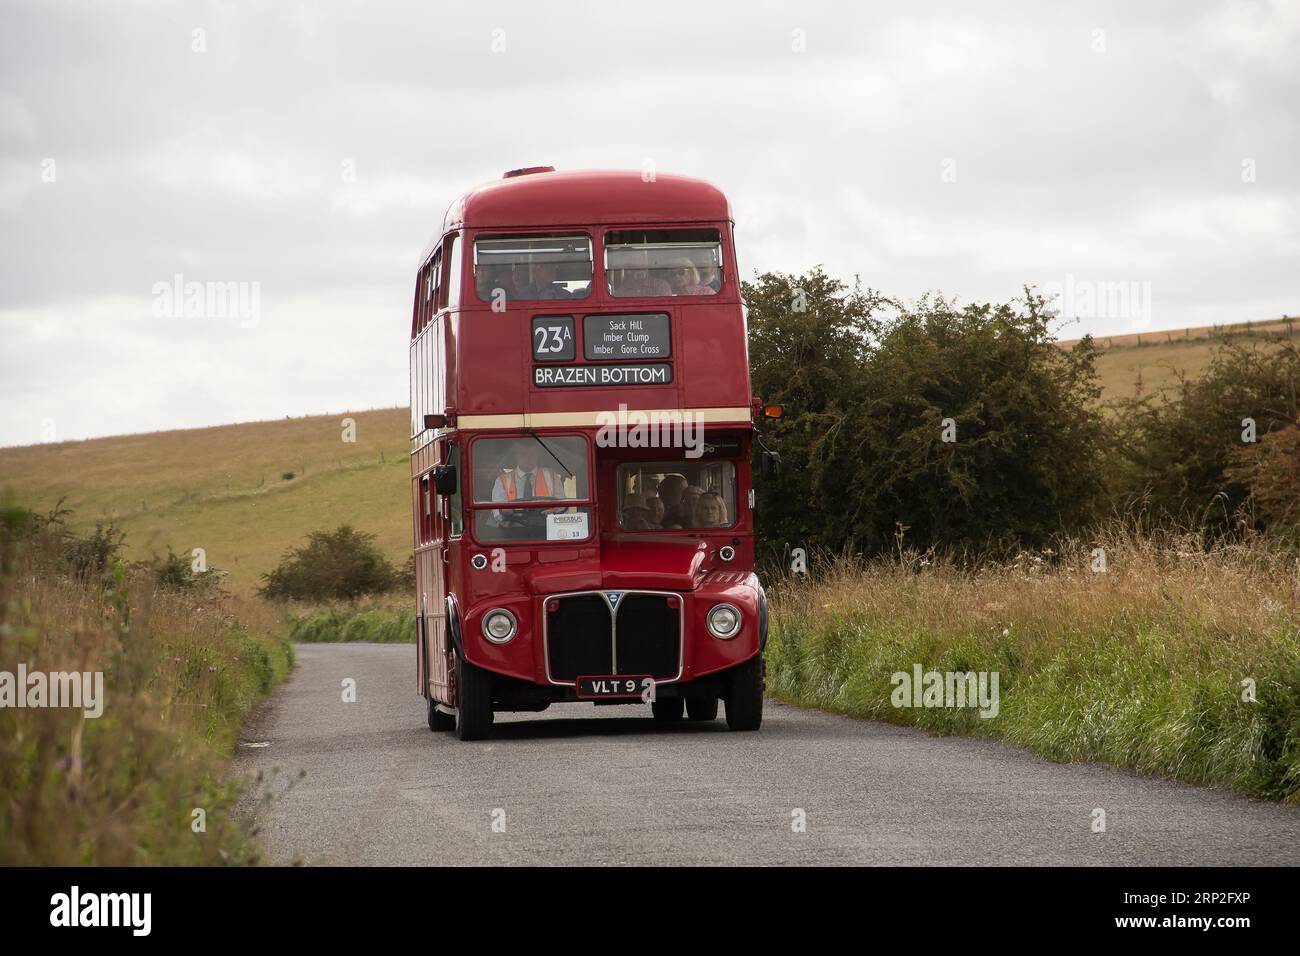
x,y
581,439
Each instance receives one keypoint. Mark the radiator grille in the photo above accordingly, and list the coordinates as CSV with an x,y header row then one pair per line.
x,y
578,637
647,634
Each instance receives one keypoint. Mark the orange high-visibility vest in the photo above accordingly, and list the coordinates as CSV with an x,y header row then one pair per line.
x,y
541,487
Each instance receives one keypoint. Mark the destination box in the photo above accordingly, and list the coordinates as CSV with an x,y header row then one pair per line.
x,y
586,376
637,336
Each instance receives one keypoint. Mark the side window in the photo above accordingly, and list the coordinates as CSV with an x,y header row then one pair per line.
x,y
455,503
417,311
416,425
432,287
451,294
663,262
425,506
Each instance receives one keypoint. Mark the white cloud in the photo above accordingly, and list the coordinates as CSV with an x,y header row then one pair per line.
x,y
1258,31
227,166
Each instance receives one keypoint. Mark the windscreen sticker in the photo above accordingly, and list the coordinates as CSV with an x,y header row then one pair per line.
x,y
566,527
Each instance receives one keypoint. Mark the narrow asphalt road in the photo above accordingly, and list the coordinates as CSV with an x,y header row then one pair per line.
x,y
368,783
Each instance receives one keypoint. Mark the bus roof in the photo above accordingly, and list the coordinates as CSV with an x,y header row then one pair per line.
x,y
587,197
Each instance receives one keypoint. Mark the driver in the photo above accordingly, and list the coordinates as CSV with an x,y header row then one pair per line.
x,y
527,481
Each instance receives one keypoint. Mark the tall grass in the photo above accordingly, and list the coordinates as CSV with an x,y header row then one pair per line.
x,y
182,671
1141,666
379,623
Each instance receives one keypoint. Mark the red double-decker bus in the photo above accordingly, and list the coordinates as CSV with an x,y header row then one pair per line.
x,y
581,433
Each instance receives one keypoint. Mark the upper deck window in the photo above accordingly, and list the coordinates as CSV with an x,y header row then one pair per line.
x,y
532,267
429,288
451,292
641,262
433,281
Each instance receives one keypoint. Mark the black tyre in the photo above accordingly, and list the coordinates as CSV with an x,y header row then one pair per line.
x,y
702,708
438,721
473,701
669,710
745,696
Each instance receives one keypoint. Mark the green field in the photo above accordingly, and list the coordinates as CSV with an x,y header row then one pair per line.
x,y
222,489
1140,364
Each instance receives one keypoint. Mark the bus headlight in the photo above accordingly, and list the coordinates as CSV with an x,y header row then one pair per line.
x,y
499,625
724,622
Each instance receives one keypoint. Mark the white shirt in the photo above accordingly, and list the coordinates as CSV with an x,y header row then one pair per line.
x,y
521,478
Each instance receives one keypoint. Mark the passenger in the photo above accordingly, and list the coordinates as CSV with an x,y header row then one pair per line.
x,y
636,518
711,512
522,280
690,497
636,280
683,513
684,278
710,277
670,490
492,278
544,284
655,505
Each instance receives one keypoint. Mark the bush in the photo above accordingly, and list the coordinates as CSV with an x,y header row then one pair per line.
x,y
334,565
1270,470
51,546
866,460
176,573
406,576
89,558
1184,455
17,526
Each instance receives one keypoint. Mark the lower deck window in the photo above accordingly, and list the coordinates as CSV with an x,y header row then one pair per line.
x,y
676,495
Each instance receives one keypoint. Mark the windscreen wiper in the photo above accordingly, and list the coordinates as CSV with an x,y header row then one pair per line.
x,y
568,473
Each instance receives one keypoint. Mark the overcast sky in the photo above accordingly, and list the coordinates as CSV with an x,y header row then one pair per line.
x,y
312,148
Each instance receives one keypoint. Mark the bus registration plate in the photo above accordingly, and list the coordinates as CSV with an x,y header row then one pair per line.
x,y
621,686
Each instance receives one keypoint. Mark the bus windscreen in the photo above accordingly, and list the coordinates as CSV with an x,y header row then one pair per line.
x,y
536,486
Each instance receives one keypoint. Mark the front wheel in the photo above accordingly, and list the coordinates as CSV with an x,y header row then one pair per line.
x,y
745,696
473,701
668,710
438,721
702,708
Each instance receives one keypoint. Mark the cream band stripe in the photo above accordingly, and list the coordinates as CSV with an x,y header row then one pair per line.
x,y
560,419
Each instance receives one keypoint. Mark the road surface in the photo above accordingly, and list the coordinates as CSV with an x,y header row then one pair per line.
x,y
368,783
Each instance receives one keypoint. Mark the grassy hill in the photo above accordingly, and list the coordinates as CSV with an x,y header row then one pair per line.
x,y
1146,362
222,488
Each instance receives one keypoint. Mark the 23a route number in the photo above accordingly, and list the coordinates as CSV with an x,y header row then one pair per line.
x,y
553,338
